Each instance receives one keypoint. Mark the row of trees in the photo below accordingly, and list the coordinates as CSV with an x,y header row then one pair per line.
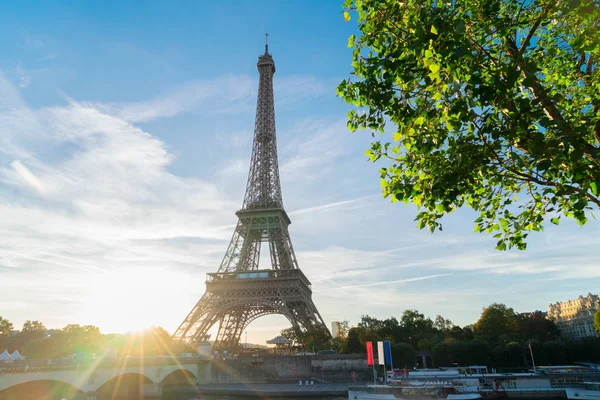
x,y
34,340
499,338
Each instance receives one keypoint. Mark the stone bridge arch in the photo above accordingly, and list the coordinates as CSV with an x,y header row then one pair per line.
x,y
42,389
125,386
95,377
182,376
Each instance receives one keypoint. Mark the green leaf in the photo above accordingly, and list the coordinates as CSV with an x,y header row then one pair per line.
x,y
594,187
433,30
440,208
501,246
351,40
555,220
346,16
434,68
397,136
420,121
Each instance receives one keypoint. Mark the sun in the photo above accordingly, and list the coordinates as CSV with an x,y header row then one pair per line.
x,y
135,299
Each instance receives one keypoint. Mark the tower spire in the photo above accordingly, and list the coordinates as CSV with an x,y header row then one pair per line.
x,y
264,189
266,43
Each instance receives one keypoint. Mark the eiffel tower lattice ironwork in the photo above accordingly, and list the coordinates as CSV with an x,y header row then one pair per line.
x,y
239,292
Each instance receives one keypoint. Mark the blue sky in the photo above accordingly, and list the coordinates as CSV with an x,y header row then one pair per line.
x,y
125,134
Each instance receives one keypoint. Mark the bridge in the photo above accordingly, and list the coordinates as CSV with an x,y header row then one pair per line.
x,y
127,377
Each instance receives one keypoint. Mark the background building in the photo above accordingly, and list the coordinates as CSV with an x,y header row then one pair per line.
x,y
336,329
575,318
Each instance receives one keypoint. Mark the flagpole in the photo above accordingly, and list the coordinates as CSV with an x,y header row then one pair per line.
x,y
532,360
374,374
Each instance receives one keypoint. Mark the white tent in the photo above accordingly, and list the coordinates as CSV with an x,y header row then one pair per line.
x,y
279,340
5,355
16,355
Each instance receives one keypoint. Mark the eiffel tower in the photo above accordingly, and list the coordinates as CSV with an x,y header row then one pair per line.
x,y
239,292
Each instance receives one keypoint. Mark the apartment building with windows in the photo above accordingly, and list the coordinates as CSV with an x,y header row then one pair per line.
x,y
575,318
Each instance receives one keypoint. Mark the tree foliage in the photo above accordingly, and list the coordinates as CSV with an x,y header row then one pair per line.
x,y
537,326
500,338
490,101
597,321
353,345
5,327
35,341
33,330
313,339
496,320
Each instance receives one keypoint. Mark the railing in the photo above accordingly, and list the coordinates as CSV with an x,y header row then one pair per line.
x,y
60,364
257,275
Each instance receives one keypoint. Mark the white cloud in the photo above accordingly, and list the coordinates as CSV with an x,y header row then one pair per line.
x,y
107,201
310,156
223,94
344,205
396,281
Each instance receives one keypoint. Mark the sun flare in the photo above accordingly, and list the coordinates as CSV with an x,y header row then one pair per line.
x,y
133,300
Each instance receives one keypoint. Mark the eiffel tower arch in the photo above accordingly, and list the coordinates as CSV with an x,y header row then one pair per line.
x,y
239,292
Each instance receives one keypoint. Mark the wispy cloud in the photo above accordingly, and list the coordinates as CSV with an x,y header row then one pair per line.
x,y
109,205
396,281
24,77
222,94
345,204
312,156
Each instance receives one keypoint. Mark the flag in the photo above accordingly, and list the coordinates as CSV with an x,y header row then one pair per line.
x,y
387,350
380,355
370,353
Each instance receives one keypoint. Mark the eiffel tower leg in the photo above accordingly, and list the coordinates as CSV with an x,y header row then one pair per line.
x,y
243,252
230,330
301,306
195,327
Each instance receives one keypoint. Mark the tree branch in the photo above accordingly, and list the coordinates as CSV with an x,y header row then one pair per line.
x,y
590,151
529,178
588,67
536,24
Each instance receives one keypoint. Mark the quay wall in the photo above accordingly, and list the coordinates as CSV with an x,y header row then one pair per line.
x,y
330,368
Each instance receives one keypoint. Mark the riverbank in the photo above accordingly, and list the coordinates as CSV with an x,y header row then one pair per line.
x,y
262,390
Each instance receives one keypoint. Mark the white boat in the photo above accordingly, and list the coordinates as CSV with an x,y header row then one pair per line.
x,y
473,383
590,391
464,396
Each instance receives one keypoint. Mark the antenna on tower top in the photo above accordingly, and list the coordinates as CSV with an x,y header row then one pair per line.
x,y
266,43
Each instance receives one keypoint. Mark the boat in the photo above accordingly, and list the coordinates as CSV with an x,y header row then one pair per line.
x,y
475,382
589,391
467,396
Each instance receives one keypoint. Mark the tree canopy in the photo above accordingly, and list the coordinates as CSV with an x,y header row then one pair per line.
x,y
493,105
496,319
5,327
597,322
